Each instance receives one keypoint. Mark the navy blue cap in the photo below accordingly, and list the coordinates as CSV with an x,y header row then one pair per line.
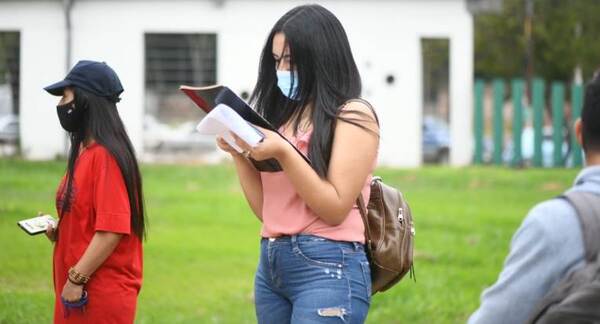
x,y
95,77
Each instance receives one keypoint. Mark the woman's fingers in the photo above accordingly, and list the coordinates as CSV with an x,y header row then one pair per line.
x,y
241,143
73,299
72,293
223,145
50,233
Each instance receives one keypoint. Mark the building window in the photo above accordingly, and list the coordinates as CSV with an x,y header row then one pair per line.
x,y
170,117
9,92
436,100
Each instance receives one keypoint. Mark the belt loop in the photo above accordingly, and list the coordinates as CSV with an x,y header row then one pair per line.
x,y
294,240
356,246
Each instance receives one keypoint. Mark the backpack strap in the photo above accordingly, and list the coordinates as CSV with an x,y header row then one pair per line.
x,y
587,206
360,202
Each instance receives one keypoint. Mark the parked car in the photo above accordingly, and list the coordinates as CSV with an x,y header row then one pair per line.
x,y
436,140
9,129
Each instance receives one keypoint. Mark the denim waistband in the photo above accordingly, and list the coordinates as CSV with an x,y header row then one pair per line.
x,y
293,239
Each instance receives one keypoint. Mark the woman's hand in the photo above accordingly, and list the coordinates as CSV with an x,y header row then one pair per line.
x,y
223,145
272,146
50,229
51,233
72,292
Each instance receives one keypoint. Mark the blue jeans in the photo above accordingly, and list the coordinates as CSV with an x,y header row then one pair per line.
x,y
310,279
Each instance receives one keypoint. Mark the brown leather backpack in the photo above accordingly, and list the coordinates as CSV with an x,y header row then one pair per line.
x,y
389,232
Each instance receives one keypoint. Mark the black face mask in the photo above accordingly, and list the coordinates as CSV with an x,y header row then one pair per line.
x,y
69,116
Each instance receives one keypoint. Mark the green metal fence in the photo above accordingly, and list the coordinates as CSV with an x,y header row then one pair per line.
x,y
531,114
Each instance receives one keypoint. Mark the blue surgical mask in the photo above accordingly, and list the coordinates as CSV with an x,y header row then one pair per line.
x,y
284,82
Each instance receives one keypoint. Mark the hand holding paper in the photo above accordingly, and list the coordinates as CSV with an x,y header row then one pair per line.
x,y
208,98
37,225
222,120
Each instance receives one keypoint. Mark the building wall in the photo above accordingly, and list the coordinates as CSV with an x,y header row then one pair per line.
x,y
41,27
384,35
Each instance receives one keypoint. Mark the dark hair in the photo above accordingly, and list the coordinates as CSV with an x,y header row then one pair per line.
x,y
590,116
328,77
101,122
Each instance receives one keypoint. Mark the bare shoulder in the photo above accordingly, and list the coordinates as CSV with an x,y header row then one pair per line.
x,y
360,107
360,112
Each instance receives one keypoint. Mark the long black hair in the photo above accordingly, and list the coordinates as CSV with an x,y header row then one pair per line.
x,y
328,77
101,122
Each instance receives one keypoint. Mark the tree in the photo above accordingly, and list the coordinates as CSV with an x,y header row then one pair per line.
x,y
565,35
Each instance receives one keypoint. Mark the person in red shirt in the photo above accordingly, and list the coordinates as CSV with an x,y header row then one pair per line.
x,y
98,241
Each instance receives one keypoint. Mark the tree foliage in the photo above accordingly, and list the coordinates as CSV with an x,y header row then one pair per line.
x,y
565,35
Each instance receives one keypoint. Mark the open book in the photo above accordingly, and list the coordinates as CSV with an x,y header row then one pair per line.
x,y
207,98
222,121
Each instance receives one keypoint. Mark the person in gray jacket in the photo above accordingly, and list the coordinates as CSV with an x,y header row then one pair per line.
x,y
549,243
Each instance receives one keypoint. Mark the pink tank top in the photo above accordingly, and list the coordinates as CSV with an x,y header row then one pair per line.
x,y
285,213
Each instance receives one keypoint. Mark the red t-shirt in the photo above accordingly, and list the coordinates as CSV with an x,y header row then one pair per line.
x,y
99,203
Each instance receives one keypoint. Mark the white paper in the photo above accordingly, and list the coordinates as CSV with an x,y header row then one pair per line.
x,y
222,120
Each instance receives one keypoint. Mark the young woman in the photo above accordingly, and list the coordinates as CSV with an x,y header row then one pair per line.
x,y
313,267
98,249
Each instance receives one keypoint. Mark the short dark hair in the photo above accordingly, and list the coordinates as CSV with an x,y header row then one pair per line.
x,y
590,116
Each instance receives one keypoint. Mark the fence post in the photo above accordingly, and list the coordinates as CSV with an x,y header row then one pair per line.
x,y
558,102
478,122
538,120
498,120
576,104
517,127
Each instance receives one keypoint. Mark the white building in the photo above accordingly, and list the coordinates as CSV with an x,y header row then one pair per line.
x,y
385,36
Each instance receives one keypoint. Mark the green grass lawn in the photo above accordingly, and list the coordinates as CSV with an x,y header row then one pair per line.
x,y
202,247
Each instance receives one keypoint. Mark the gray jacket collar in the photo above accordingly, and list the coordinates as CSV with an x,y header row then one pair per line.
x,y
589,176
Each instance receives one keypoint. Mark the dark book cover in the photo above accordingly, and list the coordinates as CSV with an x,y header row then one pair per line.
x,y
206,98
